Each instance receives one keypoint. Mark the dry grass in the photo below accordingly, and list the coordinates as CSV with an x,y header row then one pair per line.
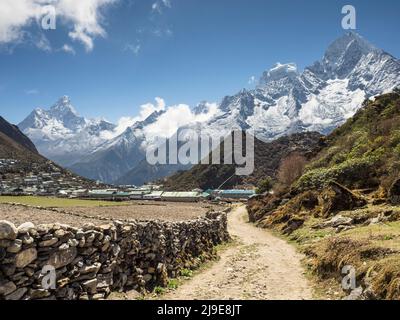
x,y
374,251
52,202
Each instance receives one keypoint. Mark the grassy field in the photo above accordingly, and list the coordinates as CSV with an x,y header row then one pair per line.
x,y
48,202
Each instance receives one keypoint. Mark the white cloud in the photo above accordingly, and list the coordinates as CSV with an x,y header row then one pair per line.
x,y
68,49
134,48
83,16
125,122
32,92
173,118
176,117
160,5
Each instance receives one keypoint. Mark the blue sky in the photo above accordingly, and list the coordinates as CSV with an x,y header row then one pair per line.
x,y
184,51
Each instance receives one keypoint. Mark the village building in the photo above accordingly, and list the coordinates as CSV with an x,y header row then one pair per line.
x,y
180,196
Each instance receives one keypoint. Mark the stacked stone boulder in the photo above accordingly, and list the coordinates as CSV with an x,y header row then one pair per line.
x,y
92,261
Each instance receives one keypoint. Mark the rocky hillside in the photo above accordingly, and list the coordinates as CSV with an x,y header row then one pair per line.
x,y
267,159
344,209
14,144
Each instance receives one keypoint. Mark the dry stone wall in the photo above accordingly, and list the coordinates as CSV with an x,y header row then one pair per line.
x,y
57,261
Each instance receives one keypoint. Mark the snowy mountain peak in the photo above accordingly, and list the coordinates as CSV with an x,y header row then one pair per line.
x,y
343,55
61,134
280,71
63,106
338,48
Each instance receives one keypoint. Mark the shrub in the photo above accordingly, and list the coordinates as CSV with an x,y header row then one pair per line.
x,y
349,172
291,169
265,185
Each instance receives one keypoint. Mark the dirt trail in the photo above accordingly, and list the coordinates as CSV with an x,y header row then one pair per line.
x,y
259,266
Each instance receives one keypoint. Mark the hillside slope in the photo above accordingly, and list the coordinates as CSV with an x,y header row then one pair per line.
x,y
362,153
267,158
345,208
14,134
15,145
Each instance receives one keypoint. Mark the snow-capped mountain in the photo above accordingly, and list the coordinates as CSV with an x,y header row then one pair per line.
x,y
61,134
285,101
320,98
115,157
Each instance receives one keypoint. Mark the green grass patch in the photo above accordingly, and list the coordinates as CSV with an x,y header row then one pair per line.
x,y
173,284
186,273
159,290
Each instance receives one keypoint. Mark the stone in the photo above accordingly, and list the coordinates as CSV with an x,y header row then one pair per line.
x,y
38,293
15,247
60,233
98,296
42,229
105,247
8,269
73,242
79,234
25,227
116,249
355,294
89,269
335,198
87,272
27,239
7,287
29,272
25,257
147,277
343,228
5,243
337,221
62,258
160,267
17,294
104,280
48,243
3,253
90,286
8,231
64,246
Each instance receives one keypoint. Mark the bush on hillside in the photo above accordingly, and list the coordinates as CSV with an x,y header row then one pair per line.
x,y
291,169
265,185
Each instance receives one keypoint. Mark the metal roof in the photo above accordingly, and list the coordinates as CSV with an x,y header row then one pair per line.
x,y
243,192
154,194
180,194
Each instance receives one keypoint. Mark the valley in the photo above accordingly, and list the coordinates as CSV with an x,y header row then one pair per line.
x,y
79,194
285,101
